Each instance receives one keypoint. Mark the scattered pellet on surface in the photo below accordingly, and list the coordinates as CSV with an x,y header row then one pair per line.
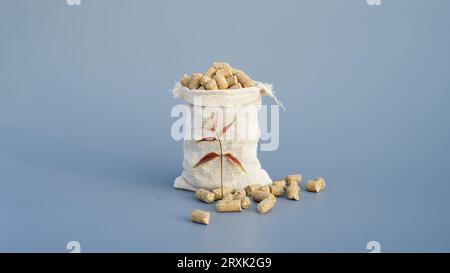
x,y
228,206
322,183
294,185
201,217
227,196
204,195
265,188
239,194
293,192
316,185
279,183
246,202
266,196
267,204
218,192
293,178
251,188
259,195
277,190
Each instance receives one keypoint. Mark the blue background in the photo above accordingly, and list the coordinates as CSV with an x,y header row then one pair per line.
x,y
85,146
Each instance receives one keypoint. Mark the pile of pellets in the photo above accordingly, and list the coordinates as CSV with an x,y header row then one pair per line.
x,y
220,76
228,200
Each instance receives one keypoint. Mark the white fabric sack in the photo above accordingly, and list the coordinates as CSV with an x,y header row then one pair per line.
x,y
213,111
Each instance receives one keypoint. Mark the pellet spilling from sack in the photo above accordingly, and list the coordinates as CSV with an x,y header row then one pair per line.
x,y
266,197
220,76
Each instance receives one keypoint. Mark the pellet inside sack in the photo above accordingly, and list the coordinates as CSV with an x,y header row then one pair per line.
x,y
212,85
267,204
200,216
232,81
235,86
204,195
185,80
219,65
210,72
259,195
204,80
195,81
221,76
236,71
316,185
221,81
218,192
245,80
226,72
228,206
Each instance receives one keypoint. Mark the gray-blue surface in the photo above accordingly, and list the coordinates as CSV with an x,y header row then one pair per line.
x,y
85,148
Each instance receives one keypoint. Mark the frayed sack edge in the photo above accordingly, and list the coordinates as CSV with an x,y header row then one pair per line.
x,y
266,89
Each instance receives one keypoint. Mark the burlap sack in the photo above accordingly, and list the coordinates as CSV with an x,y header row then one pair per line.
x,y
227,124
